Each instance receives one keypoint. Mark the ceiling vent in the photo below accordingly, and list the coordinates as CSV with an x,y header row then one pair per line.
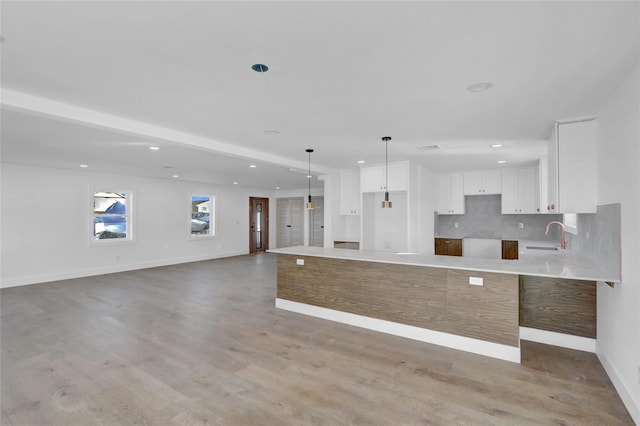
x,y
428,147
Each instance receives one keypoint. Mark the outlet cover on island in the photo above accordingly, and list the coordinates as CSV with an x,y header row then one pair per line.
x,y
456,225
520,225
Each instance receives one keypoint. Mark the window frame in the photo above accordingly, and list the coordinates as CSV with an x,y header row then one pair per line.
x,y
129,215
213,217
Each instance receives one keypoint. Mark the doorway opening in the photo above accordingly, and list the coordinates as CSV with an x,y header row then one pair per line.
x,y
258,225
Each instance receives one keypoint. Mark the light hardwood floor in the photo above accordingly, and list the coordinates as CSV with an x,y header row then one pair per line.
x,y
202,343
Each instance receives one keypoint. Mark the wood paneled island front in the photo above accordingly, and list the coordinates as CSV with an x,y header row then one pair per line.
x,y
434,299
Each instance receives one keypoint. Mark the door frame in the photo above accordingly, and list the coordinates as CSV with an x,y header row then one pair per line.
x,y
264,227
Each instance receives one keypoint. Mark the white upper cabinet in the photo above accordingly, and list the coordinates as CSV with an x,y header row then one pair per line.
x,y
520,191
572,183
373,178
350,192
482,182
450,194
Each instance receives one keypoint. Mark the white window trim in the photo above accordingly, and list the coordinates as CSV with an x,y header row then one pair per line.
x,y
213,213
131,215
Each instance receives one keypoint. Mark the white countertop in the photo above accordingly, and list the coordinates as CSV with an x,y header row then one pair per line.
x,y
541,263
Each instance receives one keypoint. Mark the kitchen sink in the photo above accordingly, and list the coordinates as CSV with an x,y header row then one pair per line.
x,y
541,248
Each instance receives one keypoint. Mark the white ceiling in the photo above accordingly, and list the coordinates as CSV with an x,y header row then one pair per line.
x,y
342,75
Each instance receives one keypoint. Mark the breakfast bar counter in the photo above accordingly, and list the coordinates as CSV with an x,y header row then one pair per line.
x,y
468,303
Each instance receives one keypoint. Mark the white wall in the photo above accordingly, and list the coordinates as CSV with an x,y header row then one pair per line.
x,y
54,243
618,342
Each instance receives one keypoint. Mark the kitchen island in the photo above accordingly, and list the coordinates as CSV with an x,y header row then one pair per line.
x,y
469,304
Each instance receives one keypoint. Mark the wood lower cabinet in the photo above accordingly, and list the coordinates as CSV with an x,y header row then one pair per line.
x,y
558,304
448,246
510,249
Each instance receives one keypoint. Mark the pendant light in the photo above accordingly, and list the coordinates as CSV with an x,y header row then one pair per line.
x,y
309,203
386,204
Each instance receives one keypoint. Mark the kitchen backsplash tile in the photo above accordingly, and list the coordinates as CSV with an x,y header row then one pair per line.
x,y
483,218
599,237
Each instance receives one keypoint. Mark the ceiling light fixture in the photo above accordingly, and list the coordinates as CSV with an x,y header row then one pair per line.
x,y
259,67
235,183
253,166
154,148
309,203
386,204
496,145
84,166
175,176
480,87
361,161
502,161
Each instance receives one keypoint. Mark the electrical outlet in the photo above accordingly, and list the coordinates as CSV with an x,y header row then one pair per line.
x,y
521,225
299,261
456,225
476,281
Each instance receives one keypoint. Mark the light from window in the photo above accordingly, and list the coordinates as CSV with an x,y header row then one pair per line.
x,y
111,216
202,216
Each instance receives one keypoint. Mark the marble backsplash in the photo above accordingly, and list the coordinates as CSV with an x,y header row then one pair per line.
x,y
599,237
483,218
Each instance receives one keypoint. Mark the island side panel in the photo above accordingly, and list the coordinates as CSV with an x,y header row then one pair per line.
x,y
432,298
560,305
487,312
411,295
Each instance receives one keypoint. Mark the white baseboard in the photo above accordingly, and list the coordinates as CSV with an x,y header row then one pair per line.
x,y
468,344
633,406
37,279
558,339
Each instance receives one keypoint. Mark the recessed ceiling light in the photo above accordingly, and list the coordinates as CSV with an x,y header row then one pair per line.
x,y
175,176
253,166
309,176
235,183
272,132
502,161
84,166
259,67
361,161
154,148
277,187
480,87
496,145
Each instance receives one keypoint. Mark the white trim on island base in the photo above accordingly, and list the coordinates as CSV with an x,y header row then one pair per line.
x,y
558,339
467,344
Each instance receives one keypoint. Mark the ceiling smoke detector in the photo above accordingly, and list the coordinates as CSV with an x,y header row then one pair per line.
x,y
428,147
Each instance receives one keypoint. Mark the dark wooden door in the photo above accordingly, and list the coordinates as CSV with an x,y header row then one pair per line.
x,y
258,224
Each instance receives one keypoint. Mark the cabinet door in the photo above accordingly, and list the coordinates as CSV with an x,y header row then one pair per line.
x,y
552,172
450,194
527,191
457,193
443,201
372,179
492,182
510,191
482,182
472,183
577,183
349,192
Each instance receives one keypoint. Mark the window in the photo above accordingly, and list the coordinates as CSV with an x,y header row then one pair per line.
x,y
570,223
202,216
111,218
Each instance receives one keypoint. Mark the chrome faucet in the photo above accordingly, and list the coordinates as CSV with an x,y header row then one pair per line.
x,y
563,242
